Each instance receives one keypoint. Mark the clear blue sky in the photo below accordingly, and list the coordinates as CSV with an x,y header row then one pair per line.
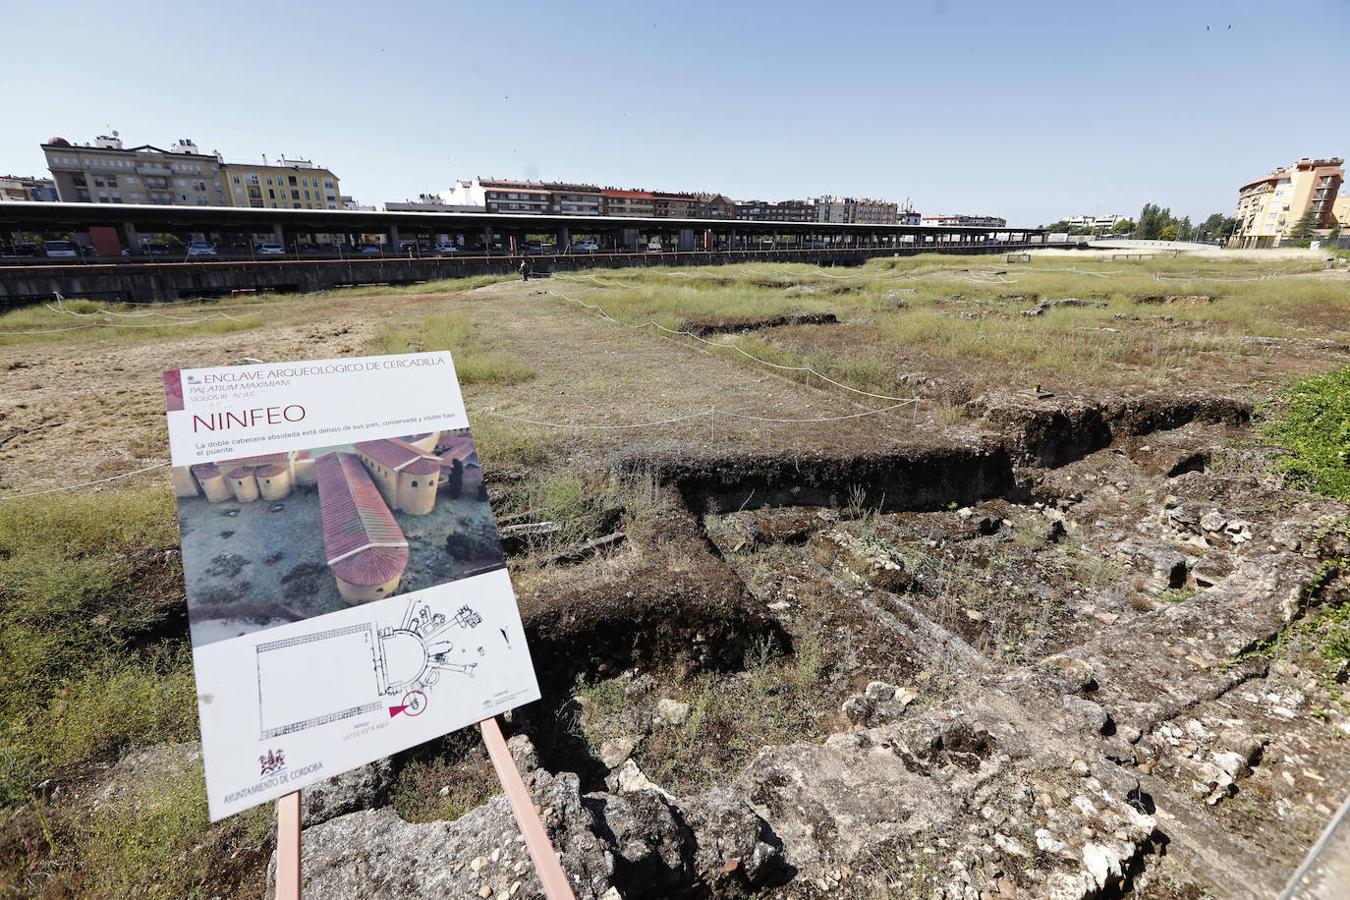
x,y
1027,110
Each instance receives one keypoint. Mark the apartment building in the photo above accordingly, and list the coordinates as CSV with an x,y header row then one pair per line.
x,y
668,205
908,217
351,203
968,220
108,172
283,184
620,202
855,210
27,188
782,211
1270,207
715,206
1340,212
1097,223
423,203
497,195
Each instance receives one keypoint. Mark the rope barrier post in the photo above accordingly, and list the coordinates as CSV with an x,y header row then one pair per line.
x,y
545,858
288,847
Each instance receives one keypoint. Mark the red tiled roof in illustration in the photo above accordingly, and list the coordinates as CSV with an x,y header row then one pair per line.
x,y
205,471
239,473
457,448
426,465
361,538
265,459
392,453
270,471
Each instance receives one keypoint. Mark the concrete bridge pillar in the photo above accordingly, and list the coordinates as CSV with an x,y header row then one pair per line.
x,y
630,238
686,239
130,238
278,236
393,237
564,238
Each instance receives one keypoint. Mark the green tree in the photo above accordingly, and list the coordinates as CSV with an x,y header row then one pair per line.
x,y
1152,220
1124,226
1169,232
1303,228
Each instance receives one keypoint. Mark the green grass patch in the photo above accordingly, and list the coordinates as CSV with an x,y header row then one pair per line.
x,y
441,789
441,286
969,310
156,841
87,320
474,364
732,716
90,658
1313,423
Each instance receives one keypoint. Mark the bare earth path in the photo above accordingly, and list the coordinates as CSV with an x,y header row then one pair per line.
x,y
93,409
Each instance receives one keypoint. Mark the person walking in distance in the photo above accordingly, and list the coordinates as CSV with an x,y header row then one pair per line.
x,y
524,270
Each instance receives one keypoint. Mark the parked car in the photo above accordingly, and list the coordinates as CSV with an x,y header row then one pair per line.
x,y
370,250
585,247
270,249
201,248
157,249
445,249
22,250
57,249
654,247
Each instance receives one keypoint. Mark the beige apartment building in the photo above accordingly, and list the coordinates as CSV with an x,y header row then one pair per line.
x,y
1271,206
1340,211
107,172
284,184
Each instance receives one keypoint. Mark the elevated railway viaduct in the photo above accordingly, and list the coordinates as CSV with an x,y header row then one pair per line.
x,y
124,250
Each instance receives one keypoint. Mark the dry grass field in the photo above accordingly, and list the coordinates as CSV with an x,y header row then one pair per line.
x,y
931,473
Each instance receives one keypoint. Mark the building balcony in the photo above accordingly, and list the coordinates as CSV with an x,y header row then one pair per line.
x,y
153,170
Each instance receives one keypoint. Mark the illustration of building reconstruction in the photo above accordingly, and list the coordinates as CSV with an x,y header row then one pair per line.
x,y
366,549
359,490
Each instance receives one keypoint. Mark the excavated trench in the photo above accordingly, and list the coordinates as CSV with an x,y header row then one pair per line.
x,y
742,530
707,329
702,616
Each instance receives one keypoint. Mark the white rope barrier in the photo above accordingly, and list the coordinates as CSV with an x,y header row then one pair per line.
x,y
650,323
710,412
70,487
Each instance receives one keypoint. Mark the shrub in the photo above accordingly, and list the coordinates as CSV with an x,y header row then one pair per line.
x,y
1314,425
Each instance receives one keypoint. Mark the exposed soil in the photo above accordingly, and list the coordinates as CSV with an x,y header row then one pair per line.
x,y
706,329
1050,647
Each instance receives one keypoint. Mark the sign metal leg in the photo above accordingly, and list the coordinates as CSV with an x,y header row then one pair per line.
x,y
288,847
551,875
